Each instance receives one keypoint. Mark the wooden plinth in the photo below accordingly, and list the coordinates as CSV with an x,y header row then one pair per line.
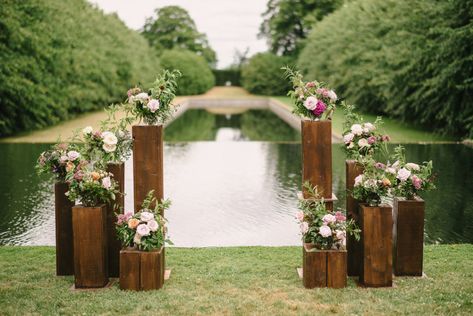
x,y
90,246
324,268
141,270
114,245
353,169
64,241
317,156
147,162
408,236
377,235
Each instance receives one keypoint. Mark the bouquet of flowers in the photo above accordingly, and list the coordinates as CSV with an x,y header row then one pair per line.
x,y
374,184
410,178
108,145
154,106
312,99
325,229
91,186
146,229
58,160
359,138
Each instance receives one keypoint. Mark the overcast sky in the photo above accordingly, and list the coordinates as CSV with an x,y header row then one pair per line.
x,y
229,24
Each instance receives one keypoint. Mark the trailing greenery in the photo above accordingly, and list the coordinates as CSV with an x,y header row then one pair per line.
x,y
236,281
411,60
62,58
222,76
197,77
262,74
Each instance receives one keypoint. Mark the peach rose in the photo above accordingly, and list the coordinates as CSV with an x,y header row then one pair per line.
x,y
95,175
133,223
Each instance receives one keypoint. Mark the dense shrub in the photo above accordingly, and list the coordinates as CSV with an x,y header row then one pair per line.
x,y
61,58
263,75
233,75
408,59
196,77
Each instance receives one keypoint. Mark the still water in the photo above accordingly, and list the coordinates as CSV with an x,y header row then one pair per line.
x,y
233,192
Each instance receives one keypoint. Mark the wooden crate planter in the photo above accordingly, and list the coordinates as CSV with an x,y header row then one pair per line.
x,y
317,156
90,246
324,268
377,231
141,270
408,236
353,169
114,245
64,240
147,162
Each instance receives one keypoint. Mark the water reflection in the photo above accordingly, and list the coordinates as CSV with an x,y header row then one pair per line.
x,y
233,193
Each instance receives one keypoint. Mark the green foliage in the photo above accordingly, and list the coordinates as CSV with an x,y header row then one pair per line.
x,y
197,77
173,27
62,58
412,60
287,22
223,75
263,75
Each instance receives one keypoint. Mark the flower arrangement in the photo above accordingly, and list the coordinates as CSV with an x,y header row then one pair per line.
x,y
58,160
410,178
374,184
325,229
146,229
91,186
155,106
360,138
311,99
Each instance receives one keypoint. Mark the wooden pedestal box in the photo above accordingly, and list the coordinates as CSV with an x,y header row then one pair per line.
x,y
324,268
116,206
317,156
64,241
353,169
141,270
90,246
376,238
408,235
147,162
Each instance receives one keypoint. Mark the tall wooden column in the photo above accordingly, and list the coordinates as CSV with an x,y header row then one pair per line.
x,y
147,162
114,245
317,156
353,169
64,242
377,228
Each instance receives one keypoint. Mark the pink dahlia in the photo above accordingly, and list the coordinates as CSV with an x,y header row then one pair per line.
x,y
319,109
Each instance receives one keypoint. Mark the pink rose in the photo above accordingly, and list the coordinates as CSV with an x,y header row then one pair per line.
x,y
385,138
403,174
304,227
371,140
329,218
379,165
340,217
320,108
310,84
153,225
300,216
310,103
153,105
107,183
416,182
325,231
143,230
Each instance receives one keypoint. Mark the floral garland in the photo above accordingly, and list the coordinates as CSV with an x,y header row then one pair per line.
x,y
311,99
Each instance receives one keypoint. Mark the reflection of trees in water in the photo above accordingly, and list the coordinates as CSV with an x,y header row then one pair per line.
x,y
193,125
26,199
264,125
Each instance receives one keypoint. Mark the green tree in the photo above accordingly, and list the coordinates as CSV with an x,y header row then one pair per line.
x,y
173,27
288,22
197,77
263,75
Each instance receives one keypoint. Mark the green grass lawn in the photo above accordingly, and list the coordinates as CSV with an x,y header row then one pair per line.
x,y
237,281
399,132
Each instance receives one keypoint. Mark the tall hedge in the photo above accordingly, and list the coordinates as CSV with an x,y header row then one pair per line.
x,y
232,75
409,59
61,58
197,77
262,74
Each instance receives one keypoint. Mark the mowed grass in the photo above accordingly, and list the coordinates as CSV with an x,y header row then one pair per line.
x,y
398,131
236,281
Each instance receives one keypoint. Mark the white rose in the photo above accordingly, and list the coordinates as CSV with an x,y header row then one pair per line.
x,y
109,138
357,129
358,180
143,96
348,138
87,130
396,164
325,231
137,239
63,159
403,174
363,143
153,225
412,166
369,126
304,226
153,105
73,155
106,182
329,218
109,148
332,95
311,103
146,216
391,170
143,230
